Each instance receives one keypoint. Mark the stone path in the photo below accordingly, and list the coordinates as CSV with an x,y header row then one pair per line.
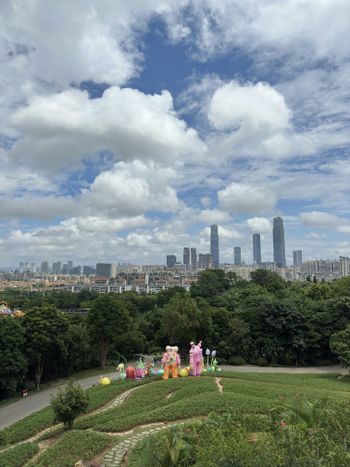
x,y
116,455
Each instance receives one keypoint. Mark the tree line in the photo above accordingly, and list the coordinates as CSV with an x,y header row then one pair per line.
x,y
264,321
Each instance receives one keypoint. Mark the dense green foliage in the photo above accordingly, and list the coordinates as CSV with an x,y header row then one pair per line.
x,y
69,403
18,456
340,345
301,434
266,321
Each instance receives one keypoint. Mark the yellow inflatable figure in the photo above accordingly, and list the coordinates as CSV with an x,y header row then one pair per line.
x,y
171,360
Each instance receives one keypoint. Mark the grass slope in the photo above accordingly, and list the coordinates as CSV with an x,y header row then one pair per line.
x,y
19,455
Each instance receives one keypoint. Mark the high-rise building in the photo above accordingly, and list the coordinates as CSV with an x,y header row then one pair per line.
x,y
44,267
256,249
170,261
237,256
214,245
194,259
297,257
107,270
279,250
186,257
57,267
69,265
205,261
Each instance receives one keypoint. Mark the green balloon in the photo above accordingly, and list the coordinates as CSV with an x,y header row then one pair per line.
x,y
161,372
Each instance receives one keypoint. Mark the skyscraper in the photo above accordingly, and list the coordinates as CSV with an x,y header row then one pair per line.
x,y
297,257
279,250
193,259
237,256
44,267
205,261
256,249
186,257
214,245
170,261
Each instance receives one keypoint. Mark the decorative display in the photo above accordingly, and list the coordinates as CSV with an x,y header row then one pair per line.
x,y
104,381
171,361
196,358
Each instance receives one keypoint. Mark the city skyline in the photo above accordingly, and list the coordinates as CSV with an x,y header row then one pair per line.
x,y
125,135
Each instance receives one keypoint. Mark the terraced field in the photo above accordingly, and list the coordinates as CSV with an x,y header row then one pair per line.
x,y
134,411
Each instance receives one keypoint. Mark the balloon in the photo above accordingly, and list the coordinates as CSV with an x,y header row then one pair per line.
x,y
105,381
160,372
153,372
122,375
183,372
209,369
130,372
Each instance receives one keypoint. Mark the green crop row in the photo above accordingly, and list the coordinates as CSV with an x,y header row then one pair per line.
x,y
73,446
19,455
32,424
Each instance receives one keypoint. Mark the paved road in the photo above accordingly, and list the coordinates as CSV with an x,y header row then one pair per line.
x,y
35,401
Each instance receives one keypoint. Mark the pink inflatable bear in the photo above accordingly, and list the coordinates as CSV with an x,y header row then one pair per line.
x,y
196,358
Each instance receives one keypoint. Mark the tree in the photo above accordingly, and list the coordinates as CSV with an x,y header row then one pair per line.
x,y
340,345
271,281
107,319
13,363
46,331
182,321
210,283
69,403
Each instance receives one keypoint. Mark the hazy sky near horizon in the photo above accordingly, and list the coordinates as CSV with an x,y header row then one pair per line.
x,y
128,128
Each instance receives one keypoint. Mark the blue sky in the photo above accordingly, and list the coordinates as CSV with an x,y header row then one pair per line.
x,y
128,128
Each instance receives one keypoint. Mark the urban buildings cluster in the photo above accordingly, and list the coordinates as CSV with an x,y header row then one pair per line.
x,y
122,277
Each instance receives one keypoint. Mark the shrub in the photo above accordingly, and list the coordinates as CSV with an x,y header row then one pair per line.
x,y
3,438
69,403
236,360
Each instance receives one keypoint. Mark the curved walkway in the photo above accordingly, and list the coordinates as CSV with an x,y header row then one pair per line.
x,y
15,411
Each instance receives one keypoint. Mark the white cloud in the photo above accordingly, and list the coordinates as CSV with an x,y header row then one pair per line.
x,y
44,207
344,229
319,218
225,233
63,128
130,189
259,225
214,216
315,235
240,197
251,108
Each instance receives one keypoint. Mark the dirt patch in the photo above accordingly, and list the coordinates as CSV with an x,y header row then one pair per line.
x,y
219,385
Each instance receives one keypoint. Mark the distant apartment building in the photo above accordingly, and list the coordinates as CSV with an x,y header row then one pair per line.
x,y
107,270
297,258
344,266
205,261
237,256
214,245
256,249
170,261
194,261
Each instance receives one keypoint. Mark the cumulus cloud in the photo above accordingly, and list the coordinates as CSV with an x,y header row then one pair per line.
x,y
240,197
258,108
214,216
131,188
319,218
44,207
259,225
63,128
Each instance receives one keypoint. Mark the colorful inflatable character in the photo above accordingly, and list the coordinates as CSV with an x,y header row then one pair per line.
x,y
196,358
140,370
171,361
